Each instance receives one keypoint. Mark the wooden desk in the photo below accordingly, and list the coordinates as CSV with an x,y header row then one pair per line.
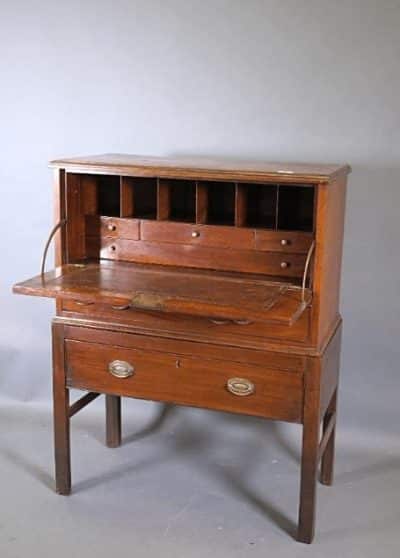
x,y
162,263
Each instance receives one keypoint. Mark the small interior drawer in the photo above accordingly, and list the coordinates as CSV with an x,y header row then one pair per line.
x,y
204,235
177,378
197,255
283,241
112,227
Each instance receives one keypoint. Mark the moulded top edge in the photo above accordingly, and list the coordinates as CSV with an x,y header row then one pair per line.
x,y
201,167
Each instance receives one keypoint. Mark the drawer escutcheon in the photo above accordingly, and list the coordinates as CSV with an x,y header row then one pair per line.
x,y
121,369
240,386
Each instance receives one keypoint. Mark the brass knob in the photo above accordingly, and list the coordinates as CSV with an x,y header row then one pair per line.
x,y
195,234
111,227
284,265
113,248
284,242
121,369
240,386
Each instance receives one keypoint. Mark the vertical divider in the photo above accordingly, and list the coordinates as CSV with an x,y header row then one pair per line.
x,y
240,205
89,195
89,205
163,200
277,208
75,228
127,197
201,202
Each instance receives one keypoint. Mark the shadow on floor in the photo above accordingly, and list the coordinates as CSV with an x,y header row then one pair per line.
x,y
31,469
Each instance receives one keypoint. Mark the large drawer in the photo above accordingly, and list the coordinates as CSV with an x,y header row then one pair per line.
x,y
179,378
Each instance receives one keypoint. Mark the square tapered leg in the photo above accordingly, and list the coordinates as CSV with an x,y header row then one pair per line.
x,y
61,415
113,421
309,458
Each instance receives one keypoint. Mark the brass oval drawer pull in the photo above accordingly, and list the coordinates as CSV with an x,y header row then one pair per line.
x,y
221,321
121,369
242,322
122,307
83,303
240,386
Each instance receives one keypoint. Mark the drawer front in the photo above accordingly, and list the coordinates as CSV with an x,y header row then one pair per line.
x,y
112,227
197,256
242,334
281,241
176,378
203,235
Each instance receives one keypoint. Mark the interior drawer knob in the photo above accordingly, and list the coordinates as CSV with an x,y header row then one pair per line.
x,y
195,234
284,242
284,265
240,386
111,227
121,369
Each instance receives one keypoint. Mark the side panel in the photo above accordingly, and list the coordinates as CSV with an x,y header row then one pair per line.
x,y
59,214
81,200
331,199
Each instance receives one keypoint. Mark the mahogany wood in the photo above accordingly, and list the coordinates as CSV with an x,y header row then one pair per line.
x,y
163,200
191,271
255,335
169,290
61,414
309,454
202,168
59,207
187,381
240,205
112,227
126,199
113,421
329,432
207,235
131,340
82,402
283,241
197,256
201,203
327,268
59,215
329,425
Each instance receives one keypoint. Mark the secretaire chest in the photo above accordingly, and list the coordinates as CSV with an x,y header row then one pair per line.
x,y
161,263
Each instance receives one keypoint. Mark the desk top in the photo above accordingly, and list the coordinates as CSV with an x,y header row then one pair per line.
x,y
201,168
156,288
